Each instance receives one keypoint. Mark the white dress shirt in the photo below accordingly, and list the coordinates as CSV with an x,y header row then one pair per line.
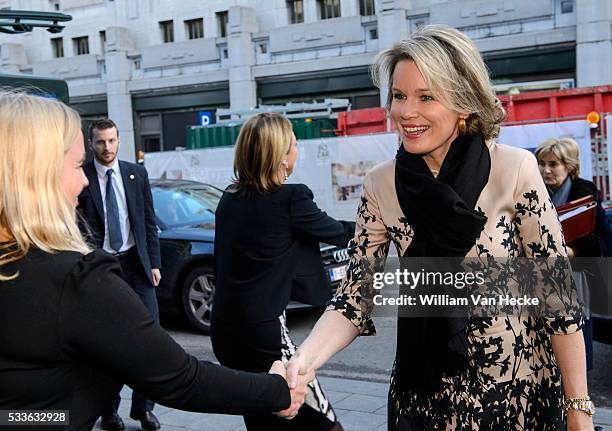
x,y
124,219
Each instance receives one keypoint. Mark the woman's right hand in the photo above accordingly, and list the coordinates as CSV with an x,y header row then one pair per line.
x,y
298,391
297,366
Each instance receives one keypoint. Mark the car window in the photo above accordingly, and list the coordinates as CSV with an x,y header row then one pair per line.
x,y
183,206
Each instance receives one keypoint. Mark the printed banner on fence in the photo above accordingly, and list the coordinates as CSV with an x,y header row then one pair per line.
x,y
529,136
334,168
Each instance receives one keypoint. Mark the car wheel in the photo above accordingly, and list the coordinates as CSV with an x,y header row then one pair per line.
x,y
197,295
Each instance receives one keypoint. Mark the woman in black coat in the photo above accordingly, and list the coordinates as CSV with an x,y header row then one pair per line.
x,y
559,162
72,332
266,232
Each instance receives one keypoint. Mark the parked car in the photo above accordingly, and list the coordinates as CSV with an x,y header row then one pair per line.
x,y
185,212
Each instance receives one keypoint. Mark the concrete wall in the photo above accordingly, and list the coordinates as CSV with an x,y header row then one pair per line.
x,y
262,43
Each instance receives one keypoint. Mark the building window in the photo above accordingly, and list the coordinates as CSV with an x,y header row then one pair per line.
x,y
418,22
567,6
167,31
373,33
57,45
366,7
296,11
103,42
329,8
222,20
150,133
195,28
81,45
151,144
263,48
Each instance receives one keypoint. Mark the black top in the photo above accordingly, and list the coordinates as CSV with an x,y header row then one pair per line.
x,y
72,333
262,242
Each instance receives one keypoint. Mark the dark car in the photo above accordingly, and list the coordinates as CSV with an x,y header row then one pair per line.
x,y
185,212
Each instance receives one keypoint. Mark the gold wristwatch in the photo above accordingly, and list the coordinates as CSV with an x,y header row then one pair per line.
x,y
581,404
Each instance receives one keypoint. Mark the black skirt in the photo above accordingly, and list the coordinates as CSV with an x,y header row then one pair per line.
x,y
254,347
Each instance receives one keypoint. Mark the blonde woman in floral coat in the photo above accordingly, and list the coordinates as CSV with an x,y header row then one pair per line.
x,y
452,191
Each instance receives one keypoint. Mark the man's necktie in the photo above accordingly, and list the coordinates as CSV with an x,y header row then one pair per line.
x,y
112,214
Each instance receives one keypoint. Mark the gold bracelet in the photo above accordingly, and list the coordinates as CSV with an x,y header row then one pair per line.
x,y
578,399
581,404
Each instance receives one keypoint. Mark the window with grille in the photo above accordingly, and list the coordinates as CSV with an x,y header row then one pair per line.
x,y
296,11
222,20
195,28
366,7
57,45
329,8
81,45
167,31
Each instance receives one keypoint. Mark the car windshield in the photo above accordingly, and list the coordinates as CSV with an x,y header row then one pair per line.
x,y
186,205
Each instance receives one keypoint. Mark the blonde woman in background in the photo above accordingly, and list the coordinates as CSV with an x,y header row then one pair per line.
x,y
71,331
559,162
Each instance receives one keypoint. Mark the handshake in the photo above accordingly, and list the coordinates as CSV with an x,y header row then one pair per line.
x,y
297,379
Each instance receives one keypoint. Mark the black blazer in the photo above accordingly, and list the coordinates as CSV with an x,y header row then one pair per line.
x,y
72,333
265,246
140,212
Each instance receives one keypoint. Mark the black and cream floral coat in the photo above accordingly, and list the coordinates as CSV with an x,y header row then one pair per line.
x,y
513,382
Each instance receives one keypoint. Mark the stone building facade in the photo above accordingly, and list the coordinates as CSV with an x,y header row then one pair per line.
x,y
155,66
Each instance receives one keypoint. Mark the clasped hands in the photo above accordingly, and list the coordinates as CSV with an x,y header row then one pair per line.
x,y
298,378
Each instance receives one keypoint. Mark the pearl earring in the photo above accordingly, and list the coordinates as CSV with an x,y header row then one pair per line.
x,y
286,167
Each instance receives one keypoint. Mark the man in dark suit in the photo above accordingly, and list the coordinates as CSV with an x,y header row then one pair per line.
x,y
118,216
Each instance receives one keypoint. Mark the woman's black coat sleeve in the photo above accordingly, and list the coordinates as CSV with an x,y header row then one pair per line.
x,y
104,322
307,218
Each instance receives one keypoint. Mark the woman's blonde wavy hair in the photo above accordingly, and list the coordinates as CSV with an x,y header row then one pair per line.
x,y
35,133
454,72
264,140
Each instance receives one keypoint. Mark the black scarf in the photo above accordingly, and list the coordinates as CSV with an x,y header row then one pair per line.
x,y
441,213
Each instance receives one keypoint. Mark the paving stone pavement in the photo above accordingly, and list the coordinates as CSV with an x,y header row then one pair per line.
x,y
361,406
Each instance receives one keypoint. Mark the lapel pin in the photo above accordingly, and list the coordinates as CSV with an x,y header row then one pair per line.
x,y
131,176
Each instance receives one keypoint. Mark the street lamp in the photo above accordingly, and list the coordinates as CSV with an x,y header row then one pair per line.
x,y
23,21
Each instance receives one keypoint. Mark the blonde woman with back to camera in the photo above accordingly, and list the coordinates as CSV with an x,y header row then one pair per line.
x,y
451,191
267,238
72,332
